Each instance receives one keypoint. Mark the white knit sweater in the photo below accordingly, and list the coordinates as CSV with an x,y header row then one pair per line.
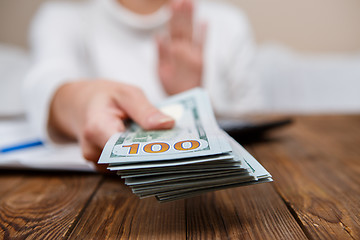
x,y
101,39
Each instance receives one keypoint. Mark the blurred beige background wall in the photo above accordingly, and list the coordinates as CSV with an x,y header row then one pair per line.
x,y
307,25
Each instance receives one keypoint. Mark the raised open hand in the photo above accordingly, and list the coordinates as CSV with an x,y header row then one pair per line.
x,y
180,64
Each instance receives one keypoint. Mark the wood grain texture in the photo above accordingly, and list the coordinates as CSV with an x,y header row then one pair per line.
x,y
116,213
247,213
316,195
8,181
43,206
252,212
316,168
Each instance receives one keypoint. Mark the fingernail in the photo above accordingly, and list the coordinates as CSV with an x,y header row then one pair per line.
x,y
160,120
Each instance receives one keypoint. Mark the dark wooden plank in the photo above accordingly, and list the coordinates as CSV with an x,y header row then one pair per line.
x,y
252,212
116,213
43,206
8,181
315,165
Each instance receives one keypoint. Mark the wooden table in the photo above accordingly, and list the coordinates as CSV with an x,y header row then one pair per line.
x,y
315,195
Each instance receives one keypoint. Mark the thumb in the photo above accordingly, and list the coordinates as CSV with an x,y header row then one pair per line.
x,y
163,49
135,104
200,39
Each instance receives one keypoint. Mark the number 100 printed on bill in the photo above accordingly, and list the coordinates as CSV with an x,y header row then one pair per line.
x,y
159,147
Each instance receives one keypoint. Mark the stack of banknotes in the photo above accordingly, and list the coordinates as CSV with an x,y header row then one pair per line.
x,y
194,157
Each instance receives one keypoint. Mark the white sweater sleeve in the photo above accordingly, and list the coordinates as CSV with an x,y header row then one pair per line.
x,y
56,48
235,88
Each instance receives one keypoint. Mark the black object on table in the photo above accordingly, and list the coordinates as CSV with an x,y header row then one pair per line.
x,y
251,131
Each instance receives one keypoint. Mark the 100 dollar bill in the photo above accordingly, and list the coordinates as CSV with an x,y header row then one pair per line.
x,y
195,134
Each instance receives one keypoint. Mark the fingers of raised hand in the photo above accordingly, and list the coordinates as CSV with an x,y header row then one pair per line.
x,y
181,24
201,34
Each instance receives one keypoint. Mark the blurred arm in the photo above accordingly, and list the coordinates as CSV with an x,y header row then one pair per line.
x,y
57,58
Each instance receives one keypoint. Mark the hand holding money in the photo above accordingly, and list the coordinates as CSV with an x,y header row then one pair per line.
x,y
92,111
194,156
